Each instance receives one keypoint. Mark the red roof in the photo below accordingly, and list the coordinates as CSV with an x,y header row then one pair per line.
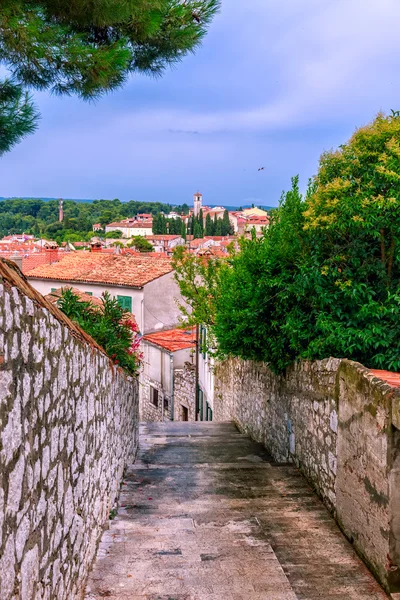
x,y
393,379
113,269
159,238
173,339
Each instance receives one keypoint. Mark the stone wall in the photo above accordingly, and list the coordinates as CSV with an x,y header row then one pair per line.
x,y
150,413
68,426
340,425
185,392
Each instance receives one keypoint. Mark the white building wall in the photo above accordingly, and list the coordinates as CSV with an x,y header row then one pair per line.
x,y
160,308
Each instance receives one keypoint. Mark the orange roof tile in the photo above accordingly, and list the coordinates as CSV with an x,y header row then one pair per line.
x,y
113,269
173,339
393,379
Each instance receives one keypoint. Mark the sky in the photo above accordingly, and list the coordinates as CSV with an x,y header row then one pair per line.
x,y
273,85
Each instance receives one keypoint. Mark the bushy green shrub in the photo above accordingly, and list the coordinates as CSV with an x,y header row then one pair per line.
x,y
109,325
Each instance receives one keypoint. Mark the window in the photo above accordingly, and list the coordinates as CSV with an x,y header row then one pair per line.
x,y
185,413
125,302
53,290
166,404
89,293
154,396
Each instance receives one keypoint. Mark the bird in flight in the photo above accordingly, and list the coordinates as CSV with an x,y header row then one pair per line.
x,y
261,168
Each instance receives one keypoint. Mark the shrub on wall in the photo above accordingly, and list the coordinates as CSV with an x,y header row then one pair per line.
x,y
114,329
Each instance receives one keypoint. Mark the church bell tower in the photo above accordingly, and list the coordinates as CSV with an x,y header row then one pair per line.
x,y
198,203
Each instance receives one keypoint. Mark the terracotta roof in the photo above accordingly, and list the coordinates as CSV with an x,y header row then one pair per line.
x,y
173,339
98,267
393,379
159,238
141,225
118,224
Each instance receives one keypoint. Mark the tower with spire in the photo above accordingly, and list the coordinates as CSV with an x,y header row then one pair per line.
x,y
60,210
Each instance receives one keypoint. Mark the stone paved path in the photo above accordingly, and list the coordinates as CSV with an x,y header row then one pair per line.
x,y
206,516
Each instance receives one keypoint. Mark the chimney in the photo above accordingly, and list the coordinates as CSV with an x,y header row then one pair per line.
x,y
51,255
96,245
17,259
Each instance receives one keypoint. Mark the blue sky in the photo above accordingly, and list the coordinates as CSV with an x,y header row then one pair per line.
x,y
274,84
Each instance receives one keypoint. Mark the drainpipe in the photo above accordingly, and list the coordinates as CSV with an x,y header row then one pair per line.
x,y
172,384
196,393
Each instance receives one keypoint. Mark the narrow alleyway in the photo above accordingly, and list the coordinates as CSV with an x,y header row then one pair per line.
x,y
206,516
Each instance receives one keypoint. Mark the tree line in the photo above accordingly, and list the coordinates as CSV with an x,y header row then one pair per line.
x,y
41,218
324,279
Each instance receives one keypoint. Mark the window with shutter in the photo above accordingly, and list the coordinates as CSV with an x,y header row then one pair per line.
x,y
125,302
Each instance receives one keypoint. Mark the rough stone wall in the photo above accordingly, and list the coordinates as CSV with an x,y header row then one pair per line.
x,y
184,392
364,466
68,426
148,411
341,426
295,416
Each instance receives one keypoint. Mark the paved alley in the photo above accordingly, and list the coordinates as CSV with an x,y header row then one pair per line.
x,y
205,515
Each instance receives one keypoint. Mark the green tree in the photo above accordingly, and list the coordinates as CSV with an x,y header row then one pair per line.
x,y
197,231
183,230
209,226
226,226
113,235
198,281
218,227
88,48
141,244
18,116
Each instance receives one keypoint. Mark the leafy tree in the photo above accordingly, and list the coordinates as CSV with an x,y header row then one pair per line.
x,y
198,280
18,116
226,227
141,244
183,230
197,231
218,227
113,235
88,48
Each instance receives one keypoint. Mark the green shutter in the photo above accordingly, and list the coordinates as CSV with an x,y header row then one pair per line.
x,y
125,302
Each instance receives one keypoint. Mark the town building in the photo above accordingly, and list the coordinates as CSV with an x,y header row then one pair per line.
x,y
167,379
165,243
132,227
144,285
